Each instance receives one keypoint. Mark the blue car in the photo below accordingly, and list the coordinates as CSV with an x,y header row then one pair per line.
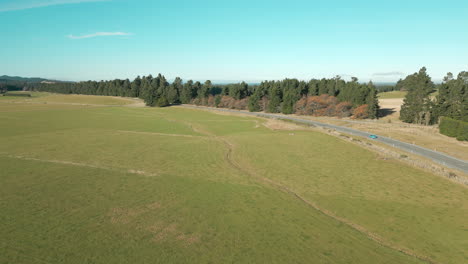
x,y
373,137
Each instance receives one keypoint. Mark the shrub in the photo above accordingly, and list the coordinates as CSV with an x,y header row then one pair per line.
x,y
264,103
323,105
227,102
343,109
162,101
241,104
217,100
231,103
454,128
211,101
361,112
196,101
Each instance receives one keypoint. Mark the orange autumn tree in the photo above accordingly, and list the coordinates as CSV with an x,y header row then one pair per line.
x,y
361,112
323,105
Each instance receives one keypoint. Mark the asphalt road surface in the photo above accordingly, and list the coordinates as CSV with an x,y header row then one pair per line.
x,y
437,157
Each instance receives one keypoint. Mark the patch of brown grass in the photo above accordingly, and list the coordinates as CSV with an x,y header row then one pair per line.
x,y
124,216
160,230
127,215
165,232
275,124
188,239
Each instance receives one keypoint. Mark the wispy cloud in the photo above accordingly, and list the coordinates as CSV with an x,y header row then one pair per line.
x,y
393,73
12,5
100,34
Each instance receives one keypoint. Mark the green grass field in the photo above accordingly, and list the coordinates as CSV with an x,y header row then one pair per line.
x,y
94,184
400,94
392,95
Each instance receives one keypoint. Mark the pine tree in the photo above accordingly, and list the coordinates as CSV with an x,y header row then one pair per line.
x,y
244,90
313,88
135,87
287,107
145,87
187,93
372,102
173,90
322,87
452,99
254,99
417,105
126,88
197,86
463,77
151,95
275,98
204,91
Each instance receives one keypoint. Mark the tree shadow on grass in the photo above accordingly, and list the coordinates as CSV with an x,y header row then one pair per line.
x,y
386,111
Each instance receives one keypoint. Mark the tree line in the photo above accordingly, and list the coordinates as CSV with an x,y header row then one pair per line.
x,y
451,102
316,97
418,106
11,85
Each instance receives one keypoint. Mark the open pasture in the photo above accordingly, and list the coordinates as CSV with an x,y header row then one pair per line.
x,y
81,182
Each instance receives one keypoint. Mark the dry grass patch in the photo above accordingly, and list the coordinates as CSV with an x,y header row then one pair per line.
x,y
424,136
275,124
161,231
127,215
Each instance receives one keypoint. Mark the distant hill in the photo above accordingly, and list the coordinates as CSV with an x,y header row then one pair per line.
x,y
6,78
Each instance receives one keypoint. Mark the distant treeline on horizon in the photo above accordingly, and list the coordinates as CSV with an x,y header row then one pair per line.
x,y
324,97
331,97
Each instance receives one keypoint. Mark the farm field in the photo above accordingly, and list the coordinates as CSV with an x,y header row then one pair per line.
x,y
50,98
400,95
87,179
392,95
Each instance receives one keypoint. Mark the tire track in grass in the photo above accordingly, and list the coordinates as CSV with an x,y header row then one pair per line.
x,y
230,160
77,164
370,235
161,134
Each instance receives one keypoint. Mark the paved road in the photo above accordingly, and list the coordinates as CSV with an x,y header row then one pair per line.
x,y
437,157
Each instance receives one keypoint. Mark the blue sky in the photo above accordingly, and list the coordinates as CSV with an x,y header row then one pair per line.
x,y
232,40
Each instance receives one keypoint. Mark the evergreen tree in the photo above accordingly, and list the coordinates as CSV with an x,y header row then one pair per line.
x,y
145,87
331,87
417,105
322,87
400,86
135,87
238,91
287,107
205,90
187,94
372,102
217,100
197,86
244,90
162,102
151,95
126,88
254,99
452,99
339,86
173,91
291,93
313,88
275,98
